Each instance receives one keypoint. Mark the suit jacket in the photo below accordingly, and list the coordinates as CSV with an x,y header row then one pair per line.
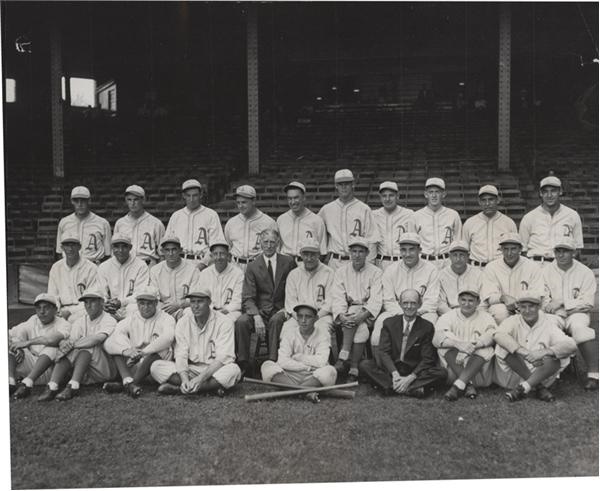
x,y
259,295
420,354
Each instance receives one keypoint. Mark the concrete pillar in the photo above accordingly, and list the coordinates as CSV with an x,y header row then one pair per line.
x,y
56,107
504,61
252,62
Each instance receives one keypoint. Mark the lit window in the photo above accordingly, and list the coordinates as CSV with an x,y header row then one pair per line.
x,y
83,92
63,87
11,90
107,96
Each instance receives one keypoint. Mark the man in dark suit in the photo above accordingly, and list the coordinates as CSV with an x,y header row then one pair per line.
x,y
263,299
408,361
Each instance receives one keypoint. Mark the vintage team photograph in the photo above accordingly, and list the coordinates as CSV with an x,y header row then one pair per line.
x,y
299,242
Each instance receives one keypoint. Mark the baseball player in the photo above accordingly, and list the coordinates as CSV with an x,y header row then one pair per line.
x,y
504,279
204,352
120,276
392,221
409,273
70,277
310,284
299,223
195,225
456,275
345,219
483,231
437,225
464,337
173,277
303,354
142,338
549,223
242,231
145,230
571,292
82,351
92,230
32,346
356,301
224,280
531,350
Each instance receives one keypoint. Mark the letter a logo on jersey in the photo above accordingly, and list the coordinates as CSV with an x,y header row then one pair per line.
x,y
92,244
309,234
357,229
422,290
257,243
401,231
448,236
524,285
568,232
131,285
576,292
228,296
202,238
147,242
320,294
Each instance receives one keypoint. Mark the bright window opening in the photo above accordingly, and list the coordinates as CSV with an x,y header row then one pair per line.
x,y
10,94
83,92
107,96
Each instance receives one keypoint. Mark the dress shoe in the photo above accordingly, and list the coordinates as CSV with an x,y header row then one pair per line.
x,y
417,393
168,389
22,392
134,390
47,395
471,392
453,393
220,392
515,394
591,384
543,394
112,387
11,389
67,394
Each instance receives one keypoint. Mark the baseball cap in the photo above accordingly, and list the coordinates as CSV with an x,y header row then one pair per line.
x,y
199,292
73,239
171,239
458,245
120,239
488,189
566,243
550,181
392,186
295,185
191,183
147,293
410,238
435,181
46,297
511,238
532,296
309,245
80,192
343,175
306,305
216,243
358,241
245,191
469,289
93,292
136,191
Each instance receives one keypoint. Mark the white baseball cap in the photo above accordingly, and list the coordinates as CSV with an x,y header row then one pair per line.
x,y
488,189
93,292
343,175
566,243
392,186
120,239
550,181
295,185
46,297
245,191
80,192
136,191
222,243
309,245
307,306
358,241
511,238
70,239
171,239
147,292
532,296
410,238
191,183
435,181
459,245
470,289
199,292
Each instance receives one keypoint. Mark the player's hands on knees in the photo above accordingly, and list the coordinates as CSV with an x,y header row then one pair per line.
x,y
466,347
18,353
64,313
20,345
171,307
259,327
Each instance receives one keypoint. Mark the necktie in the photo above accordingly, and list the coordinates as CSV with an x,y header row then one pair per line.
x,y
405,332
270,270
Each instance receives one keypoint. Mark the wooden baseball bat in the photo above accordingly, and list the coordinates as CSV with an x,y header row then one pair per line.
x,y
339,393
285,393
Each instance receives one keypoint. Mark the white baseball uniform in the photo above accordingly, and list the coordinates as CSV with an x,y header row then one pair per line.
x,y
243,236
574,288
451,284
33,328
225,288
93,231
196,348
479,327
295,229
539,230
68,284
437,230
121,280
514,333
145,232
196,230
391,226
344,220
483,235
173,284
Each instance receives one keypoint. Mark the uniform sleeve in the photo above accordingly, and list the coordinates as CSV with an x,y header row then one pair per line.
x,y
375,301
466,234
326,305
165,338
372,235
284,356
118,341
182,345
490,289
91,276
322,235
537,282
319,359
444,332
160,233
578,232
226,233
432,294
102,279
21,331
291,294
488,326
170,230
59,234
339,305
141,280
504,335
52,283
457,226
525,231
249,293
153,277
561,345
224,342
389,299
443,303
236,298
587,293
107,326
107,239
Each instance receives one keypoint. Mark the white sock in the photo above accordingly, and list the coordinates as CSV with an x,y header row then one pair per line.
x,y
12,381
593,375
353,371
344,354
74,385
28,382
460,384
127,380
52,385
526,387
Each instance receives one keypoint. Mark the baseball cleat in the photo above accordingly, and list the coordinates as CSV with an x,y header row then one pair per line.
x,y
515,394
47,395
67,394
453,393
134,390
168,389
471,392
22,392
543,394
112,387
416,393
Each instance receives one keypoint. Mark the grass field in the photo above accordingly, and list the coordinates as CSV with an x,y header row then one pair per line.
x,y
100,440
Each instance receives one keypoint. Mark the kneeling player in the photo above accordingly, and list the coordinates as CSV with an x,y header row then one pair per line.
x,y
139,340
303,354
531,350
465,338
204,352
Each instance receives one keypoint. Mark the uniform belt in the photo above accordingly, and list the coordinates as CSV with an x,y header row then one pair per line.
x,y
542,258
192,256
433,257
68,304
339,256
477,263
388,258
242,260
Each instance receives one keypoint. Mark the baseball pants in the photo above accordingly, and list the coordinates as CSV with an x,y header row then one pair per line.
x,y
325,375
227,376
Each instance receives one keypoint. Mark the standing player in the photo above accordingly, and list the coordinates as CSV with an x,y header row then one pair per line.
x,y
243,230
299,223
437,225
392,221
145,230
347,218
93,231
195,225
571,290
483,231
549,223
